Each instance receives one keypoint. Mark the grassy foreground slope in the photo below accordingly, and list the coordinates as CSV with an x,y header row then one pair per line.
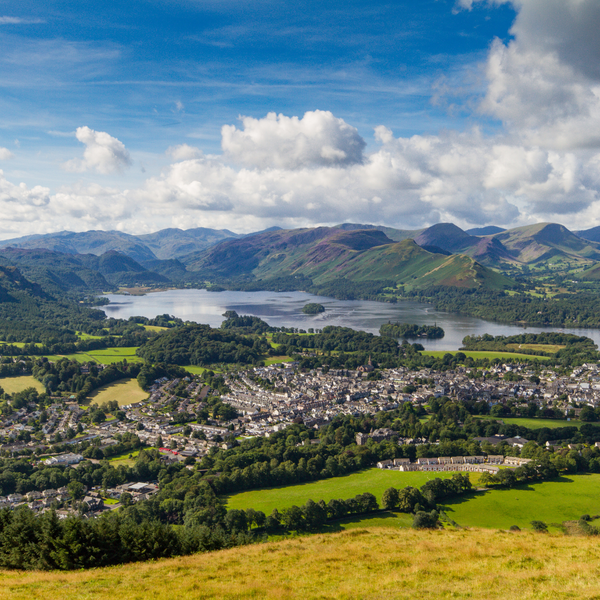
x,y
363,563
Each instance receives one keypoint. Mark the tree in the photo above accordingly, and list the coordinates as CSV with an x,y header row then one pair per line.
x,y
409,498
126,499
236,520
390,498
292,518
314,515
76,490
425,520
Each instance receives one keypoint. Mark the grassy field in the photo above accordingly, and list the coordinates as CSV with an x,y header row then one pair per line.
x,y
564,499
106,356
552,348
123,459
533,423
124,392
368,563
277,359
12,385
375,481
483,354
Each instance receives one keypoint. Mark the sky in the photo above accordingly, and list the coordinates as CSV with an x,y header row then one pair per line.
x,y
244,114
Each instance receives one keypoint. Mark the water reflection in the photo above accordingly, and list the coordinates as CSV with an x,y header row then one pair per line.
x,y
283,309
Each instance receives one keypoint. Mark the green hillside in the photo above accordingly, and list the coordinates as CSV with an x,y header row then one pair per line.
x,y
327,254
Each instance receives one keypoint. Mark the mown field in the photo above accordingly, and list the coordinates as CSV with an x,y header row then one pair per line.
x,y
475,354
375,481
12,385
533,423
563,499
371,563
124,392
106,356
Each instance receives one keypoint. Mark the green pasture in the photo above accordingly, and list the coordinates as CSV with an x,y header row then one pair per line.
x,y
195,369
533,423
87,336
484,354
12,385
154,328
105,356
124,392
564,499
375,481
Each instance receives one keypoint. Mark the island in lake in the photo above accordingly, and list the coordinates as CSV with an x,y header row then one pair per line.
x,y
313,308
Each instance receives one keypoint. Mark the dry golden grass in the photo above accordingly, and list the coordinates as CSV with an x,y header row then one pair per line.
x,y
364,563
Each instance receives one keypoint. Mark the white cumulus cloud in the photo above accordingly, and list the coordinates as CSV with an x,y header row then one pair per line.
x,y
317,139
5,154
103,153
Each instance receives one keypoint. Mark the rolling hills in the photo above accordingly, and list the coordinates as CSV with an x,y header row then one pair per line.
x,y
324,254
529,245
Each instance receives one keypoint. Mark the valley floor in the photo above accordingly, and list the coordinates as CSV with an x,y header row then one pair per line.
x,y
362,563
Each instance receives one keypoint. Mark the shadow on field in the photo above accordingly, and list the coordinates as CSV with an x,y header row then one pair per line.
x,y
522,487
335,526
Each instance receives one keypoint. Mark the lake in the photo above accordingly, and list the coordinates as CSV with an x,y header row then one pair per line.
x,y
284,309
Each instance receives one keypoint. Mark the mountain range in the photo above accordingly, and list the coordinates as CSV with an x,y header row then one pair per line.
x,y
442,254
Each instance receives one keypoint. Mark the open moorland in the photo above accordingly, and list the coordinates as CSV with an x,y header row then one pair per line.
x,y
362,563
124,392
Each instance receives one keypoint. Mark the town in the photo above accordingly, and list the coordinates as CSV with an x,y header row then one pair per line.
x,y
264,400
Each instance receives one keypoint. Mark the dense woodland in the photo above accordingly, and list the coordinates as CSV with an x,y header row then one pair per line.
x,y
562,310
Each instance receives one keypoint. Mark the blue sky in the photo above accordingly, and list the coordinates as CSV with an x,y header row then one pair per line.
x,y
141,77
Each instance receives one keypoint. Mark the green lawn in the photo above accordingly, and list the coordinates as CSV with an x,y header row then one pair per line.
x,y
563,499
277,359
11,385
125,391
375,481
123,459
483,354
533,423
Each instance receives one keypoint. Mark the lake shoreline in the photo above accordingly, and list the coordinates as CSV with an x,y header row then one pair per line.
x,y
284,309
